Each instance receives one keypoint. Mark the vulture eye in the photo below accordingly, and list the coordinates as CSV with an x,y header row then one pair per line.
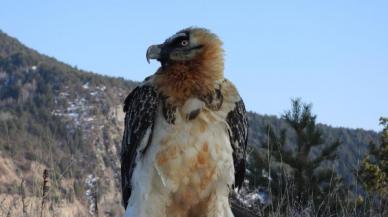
x,y
184,43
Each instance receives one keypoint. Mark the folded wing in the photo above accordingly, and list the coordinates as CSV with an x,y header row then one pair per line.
x,y
140,108
238,134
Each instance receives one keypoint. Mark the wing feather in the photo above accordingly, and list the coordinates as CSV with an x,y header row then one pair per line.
x,y
238,134
140,108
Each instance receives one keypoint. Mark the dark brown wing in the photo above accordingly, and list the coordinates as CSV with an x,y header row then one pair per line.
x,y
238,134
140,108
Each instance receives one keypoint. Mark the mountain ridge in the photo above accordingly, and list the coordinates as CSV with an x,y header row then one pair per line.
x,y
54,116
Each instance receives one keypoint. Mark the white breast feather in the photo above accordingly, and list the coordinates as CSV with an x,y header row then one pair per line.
x,y
155,180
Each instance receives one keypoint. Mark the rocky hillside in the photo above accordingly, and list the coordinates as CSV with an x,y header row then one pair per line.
x,y
69,122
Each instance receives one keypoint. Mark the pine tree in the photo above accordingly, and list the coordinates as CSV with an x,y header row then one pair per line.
x,y
292,171
373,171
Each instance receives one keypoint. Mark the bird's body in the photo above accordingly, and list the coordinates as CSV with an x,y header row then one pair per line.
x,y
183,146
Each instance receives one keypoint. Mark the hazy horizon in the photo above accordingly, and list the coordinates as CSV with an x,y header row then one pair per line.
x,y
332,54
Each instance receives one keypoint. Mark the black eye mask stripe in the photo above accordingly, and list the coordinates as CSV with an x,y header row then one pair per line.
x,y
178,41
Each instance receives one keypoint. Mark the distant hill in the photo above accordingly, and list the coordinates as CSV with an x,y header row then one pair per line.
x,y
57,117
354,142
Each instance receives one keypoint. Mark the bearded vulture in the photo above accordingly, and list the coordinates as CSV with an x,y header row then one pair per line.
x,y
185,136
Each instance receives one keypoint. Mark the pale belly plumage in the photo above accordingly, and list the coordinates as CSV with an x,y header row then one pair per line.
x,y
187,171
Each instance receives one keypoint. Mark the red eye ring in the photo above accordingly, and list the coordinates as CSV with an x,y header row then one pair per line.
x,y
184,43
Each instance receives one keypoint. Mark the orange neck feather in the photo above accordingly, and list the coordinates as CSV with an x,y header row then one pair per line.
x,y
195,78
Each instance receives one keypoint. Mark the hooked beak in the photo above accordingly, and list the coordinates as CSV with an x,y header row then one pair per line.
x,y
154,52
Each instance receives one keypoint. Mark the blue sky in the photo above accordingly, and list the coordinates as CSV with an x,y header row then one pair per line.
x,y
333,54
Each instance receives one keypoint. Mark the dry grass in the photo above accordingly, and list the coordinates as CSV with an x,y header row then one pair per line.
x,y
42,202
286,206
39,200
